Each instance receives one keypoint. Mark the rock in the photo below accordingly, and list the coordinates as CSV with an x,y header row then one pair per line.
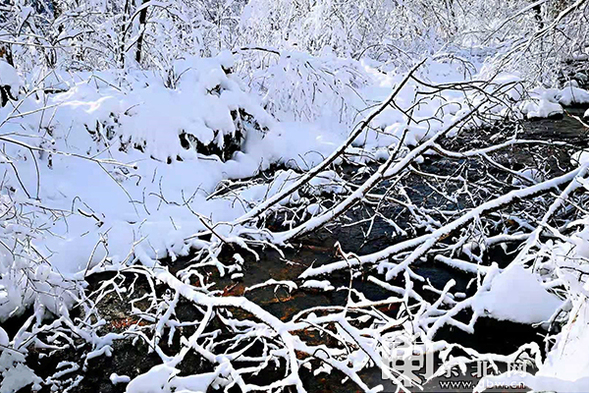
x,y
532,174
572,95
542,108
579,158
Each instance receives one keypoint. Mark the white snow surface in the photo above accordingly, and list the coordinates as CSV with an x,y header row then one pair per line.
x,y
14,374
543,103
116,379
569,361
549,102
580,157
573,95
164,379
565,367
323,285
9,77
516,295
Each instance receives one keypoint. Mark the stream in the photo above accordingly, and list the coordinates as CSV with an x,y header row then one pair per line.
x,y
490,335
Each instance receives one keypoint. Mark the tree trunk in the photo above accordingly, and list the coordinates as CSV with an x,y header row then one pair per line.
x,y
142,22
124,28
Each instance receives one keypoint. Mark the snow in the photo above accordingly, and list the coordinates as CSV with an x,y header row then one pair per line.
x,y
4,340
120,222
580,240
569,360
116,379
534,175
573,95
15,374
462,265
9,77
516,295
545,103
565,366
164,379
580,157
156,380
541,108
323,285
298,86
192,107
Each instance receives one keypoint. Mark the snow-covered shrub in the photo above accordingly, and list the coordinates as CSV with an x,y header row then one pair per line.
x,y
117,131
99,114
26,278
537,40
205,112
105,34
299,86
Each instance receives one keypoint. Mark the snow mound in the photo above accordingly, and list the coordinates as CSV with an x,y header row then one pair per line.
x,y
542,107
4,340
298,86
544,103
516,295
164,379
9,77
565,367
326,182
15,374
579,158
323,285
532,174
570,360
573,95
201,109
155,380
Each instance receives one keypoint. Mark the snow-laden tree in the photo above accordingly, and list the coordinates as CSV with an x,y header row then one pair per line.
x,y
348,28
112,111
